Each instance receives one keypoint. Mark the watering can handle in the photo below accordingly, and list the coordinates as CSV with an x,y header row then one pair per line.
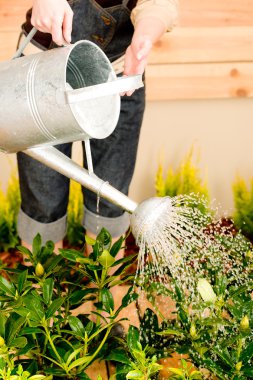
x,y
123,84
25,43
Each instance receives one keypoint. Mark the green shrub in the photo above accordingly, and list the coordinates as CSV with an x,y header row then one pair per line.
x,y
243,202
75,231
186,179
43,334
9,207
212,321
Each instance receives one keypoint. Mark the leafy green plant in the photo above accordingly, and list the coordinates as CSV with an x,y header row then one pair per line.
x,y
186,372
212,321
186,179
133,360
37,327
9,208
243,202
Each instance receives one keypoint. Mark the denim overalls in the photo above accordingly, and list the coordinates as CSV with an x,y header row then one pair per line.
x,y
44,192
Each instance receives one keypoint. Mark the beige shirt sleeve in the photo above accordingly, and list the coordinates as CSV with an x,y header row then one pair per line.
x,y
165,10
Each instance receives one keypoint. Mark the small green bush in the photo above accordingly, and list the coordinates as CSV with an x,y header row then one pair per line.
x,y
186,179
9,206
75,232
243,202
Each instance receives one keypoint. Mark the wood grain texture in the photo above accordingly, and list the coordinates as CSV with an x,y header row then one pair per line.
x,y
188,45
212,40
213,13
199,81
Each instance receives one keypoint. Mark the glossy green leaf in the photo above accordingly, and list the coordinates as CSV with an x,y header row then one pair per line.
x,y
31,330
22,311
126,259
71,254
22,281
12,327
107,299
105,259
53,262
55,306
104,239
48,287
2,325
25,251
76,325
176,371
89,240
80,362
135,374
133,338
78,295
247,353
36,246
34,306
117,246
19,342
119,355
7,287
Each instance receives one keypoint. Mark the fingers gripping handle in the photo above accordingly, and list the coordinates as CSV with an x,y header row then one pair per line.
x,y
122,84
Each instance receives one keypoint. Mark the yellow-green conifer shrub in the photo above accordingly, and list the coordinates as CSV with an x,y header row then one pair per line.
x,y
75,232
186,179
243,203
9,207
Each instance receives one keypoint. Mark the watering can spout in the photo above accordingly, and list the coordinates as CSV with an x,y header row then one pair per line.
x,y
58,161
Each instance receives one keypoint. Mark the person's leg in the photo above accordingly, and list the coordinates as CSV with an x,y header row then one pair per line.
x,y
44,200
114,161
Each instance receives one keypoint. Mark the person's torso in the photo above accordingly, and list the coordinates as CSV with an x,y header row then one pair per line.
x,y
105,22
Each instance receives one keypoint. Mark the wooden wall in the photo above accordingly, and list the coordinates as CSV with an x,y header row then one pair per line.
x,y
208,55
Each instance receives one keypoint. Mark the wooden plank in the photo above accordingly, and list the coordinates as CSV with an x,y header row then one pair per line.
x,y
213,13
184,45
198,13
199,81
12,14
8,43
188,45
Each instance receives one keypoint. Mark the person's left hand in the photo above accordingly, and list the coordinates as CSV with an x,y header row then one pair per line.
x,y
136,56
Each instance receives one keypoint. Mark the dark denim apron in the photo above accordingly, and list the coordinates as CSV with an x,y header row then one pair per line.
x,y
44,192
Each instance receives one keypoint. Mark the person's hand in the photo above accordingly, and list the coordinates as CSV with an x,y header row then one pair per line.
x,y
136,56
54,17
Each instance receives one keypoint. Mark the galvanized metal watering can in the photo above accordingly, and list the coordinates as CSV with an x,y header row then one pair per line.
x,y
62,95
69,94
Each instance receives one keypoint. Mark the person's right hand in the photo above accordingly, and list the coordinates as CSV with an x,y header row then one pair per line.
x,y
54,17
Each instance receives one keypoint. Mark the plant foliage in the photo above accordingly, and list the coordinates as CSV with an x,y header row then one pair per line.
x,y
186,179
9,207
243,202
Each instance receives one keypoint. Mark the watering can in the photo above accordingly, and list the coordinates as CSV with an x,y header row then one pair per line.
x,y
62,95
